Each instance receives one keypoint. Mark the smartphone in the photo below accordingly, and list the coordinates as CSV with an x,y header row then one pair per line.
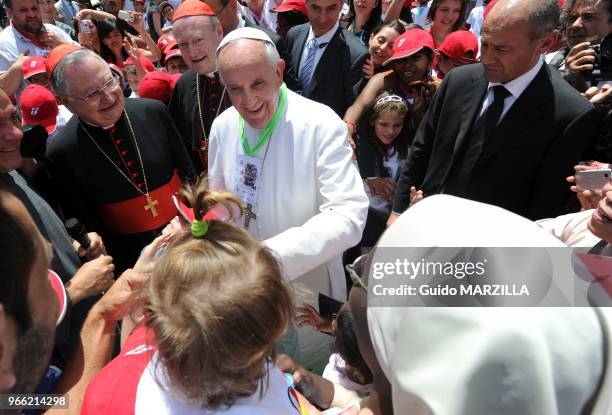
x,y
127,16
592,179
84,26
34,141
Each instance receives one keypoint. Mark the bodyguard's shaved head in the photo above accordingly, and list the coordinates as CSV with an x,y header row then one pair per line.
x,y
542,15
514,36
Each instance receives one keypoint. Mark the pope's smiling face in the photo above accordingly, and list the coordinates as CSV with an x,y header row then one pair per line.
x,y
252,80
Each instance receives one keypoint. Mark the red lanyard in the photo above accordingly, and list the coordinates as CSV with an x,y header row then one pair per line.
x,y
27,36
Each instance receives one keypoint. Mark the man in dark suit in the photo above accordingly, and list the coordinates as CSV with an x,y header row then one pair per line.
x,y
506,131
328,59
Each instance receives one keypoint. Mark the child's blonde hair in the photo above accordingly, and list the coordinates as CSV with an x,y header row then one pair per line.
x,y
217,305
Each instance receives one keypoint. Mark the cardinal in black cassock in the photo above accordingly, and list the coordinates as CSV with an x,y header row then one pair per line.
x,y
119,180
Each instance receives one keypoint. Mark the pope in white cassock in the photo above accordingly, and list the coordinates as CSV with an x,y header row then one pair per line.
x,y
289,160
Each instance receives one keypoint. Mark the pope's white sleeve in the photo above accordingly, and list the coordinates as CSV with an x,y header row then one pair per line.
x,y
215,166
343,207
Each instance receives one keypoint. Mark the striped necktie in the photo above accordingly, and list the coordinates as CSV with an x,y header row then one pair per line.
x,y
308,66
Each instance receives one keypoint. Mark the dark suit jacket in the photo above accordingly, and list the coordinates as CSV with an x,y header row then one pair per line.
x,y
523,166
337,77
289,74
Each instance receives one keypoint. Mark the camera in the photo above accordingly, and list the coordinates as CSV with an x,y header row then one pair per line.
x,y
127,16
34,141
602,67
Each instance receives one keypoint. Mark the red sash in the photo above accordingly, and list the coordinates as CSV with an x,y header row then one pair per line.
x,y
136,215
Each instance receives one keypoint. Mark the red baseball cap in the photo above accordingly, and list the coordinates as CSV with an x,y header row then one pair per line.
x,y
38,106
461,46
164,39
290,5
192,8
173,54
34,65
172,50
409,43
156,85
60,292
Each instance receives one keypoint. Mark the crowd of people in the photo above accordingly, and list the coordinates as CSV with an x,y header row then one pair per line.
x,y
193,195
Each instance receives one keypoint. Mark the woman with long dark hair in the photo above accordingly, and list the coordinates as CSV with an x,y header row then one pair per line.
x,y
445,16
380,46
362,18
115,43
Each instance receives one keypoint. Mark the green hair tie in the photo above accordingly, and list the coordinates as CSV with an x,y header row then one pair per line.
x,y
199,228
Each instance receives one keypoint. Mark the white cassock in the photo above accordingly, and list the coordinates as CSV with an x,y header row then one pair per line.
x,y
311,205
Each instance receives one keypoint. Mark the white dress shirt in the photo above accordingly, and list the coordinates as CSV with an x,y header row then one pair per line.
x,y
321,40
516,87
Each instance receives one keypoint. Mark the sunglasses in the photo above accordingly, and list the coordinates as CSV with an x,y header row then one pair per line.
x,y
357,271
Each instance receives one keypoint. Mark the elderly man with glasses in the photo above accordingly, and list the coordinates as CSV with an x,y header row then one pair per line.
x,y
117,162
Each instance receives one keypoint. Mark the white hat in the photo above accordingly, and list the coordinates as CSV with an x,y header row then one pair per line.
x,y
480,361
244,33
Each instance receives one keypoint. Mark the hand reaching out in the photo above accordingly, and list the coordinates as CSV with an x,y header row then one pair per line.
x,y
415,195
308,316
146,260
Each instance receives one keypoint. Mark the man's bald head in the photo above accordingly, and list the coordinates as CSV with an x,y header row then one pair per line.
x,y
514,36
541,15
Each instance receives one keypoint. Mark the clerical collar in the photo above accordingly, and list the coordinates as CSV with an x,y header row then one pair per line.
x,y
98,126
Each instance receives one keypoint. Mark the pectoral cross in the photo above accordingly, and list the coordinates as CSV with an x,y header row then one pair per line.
x,y
248,215
151,205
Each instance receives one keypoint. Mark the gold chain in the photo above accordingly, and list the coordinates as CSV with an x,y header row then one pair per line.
x,y
133,136
199,97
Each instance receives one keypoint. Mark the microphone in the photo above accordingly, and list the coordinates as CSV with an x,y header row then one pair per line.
x,y
77,231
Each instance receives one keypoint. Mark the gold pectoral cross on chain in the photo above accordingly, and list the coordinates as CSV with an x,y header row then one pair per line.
x,y
248,215
151,205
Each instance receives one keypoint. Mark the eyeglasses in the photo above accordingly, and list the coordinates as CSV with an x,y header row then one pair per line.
x,y
96,95
357,269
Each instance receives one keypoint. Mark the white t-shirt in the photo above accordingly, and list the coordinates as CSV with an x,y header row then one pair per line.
x,y
134,383
267,18
475,20
419,15
13,44
63,117
332,373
